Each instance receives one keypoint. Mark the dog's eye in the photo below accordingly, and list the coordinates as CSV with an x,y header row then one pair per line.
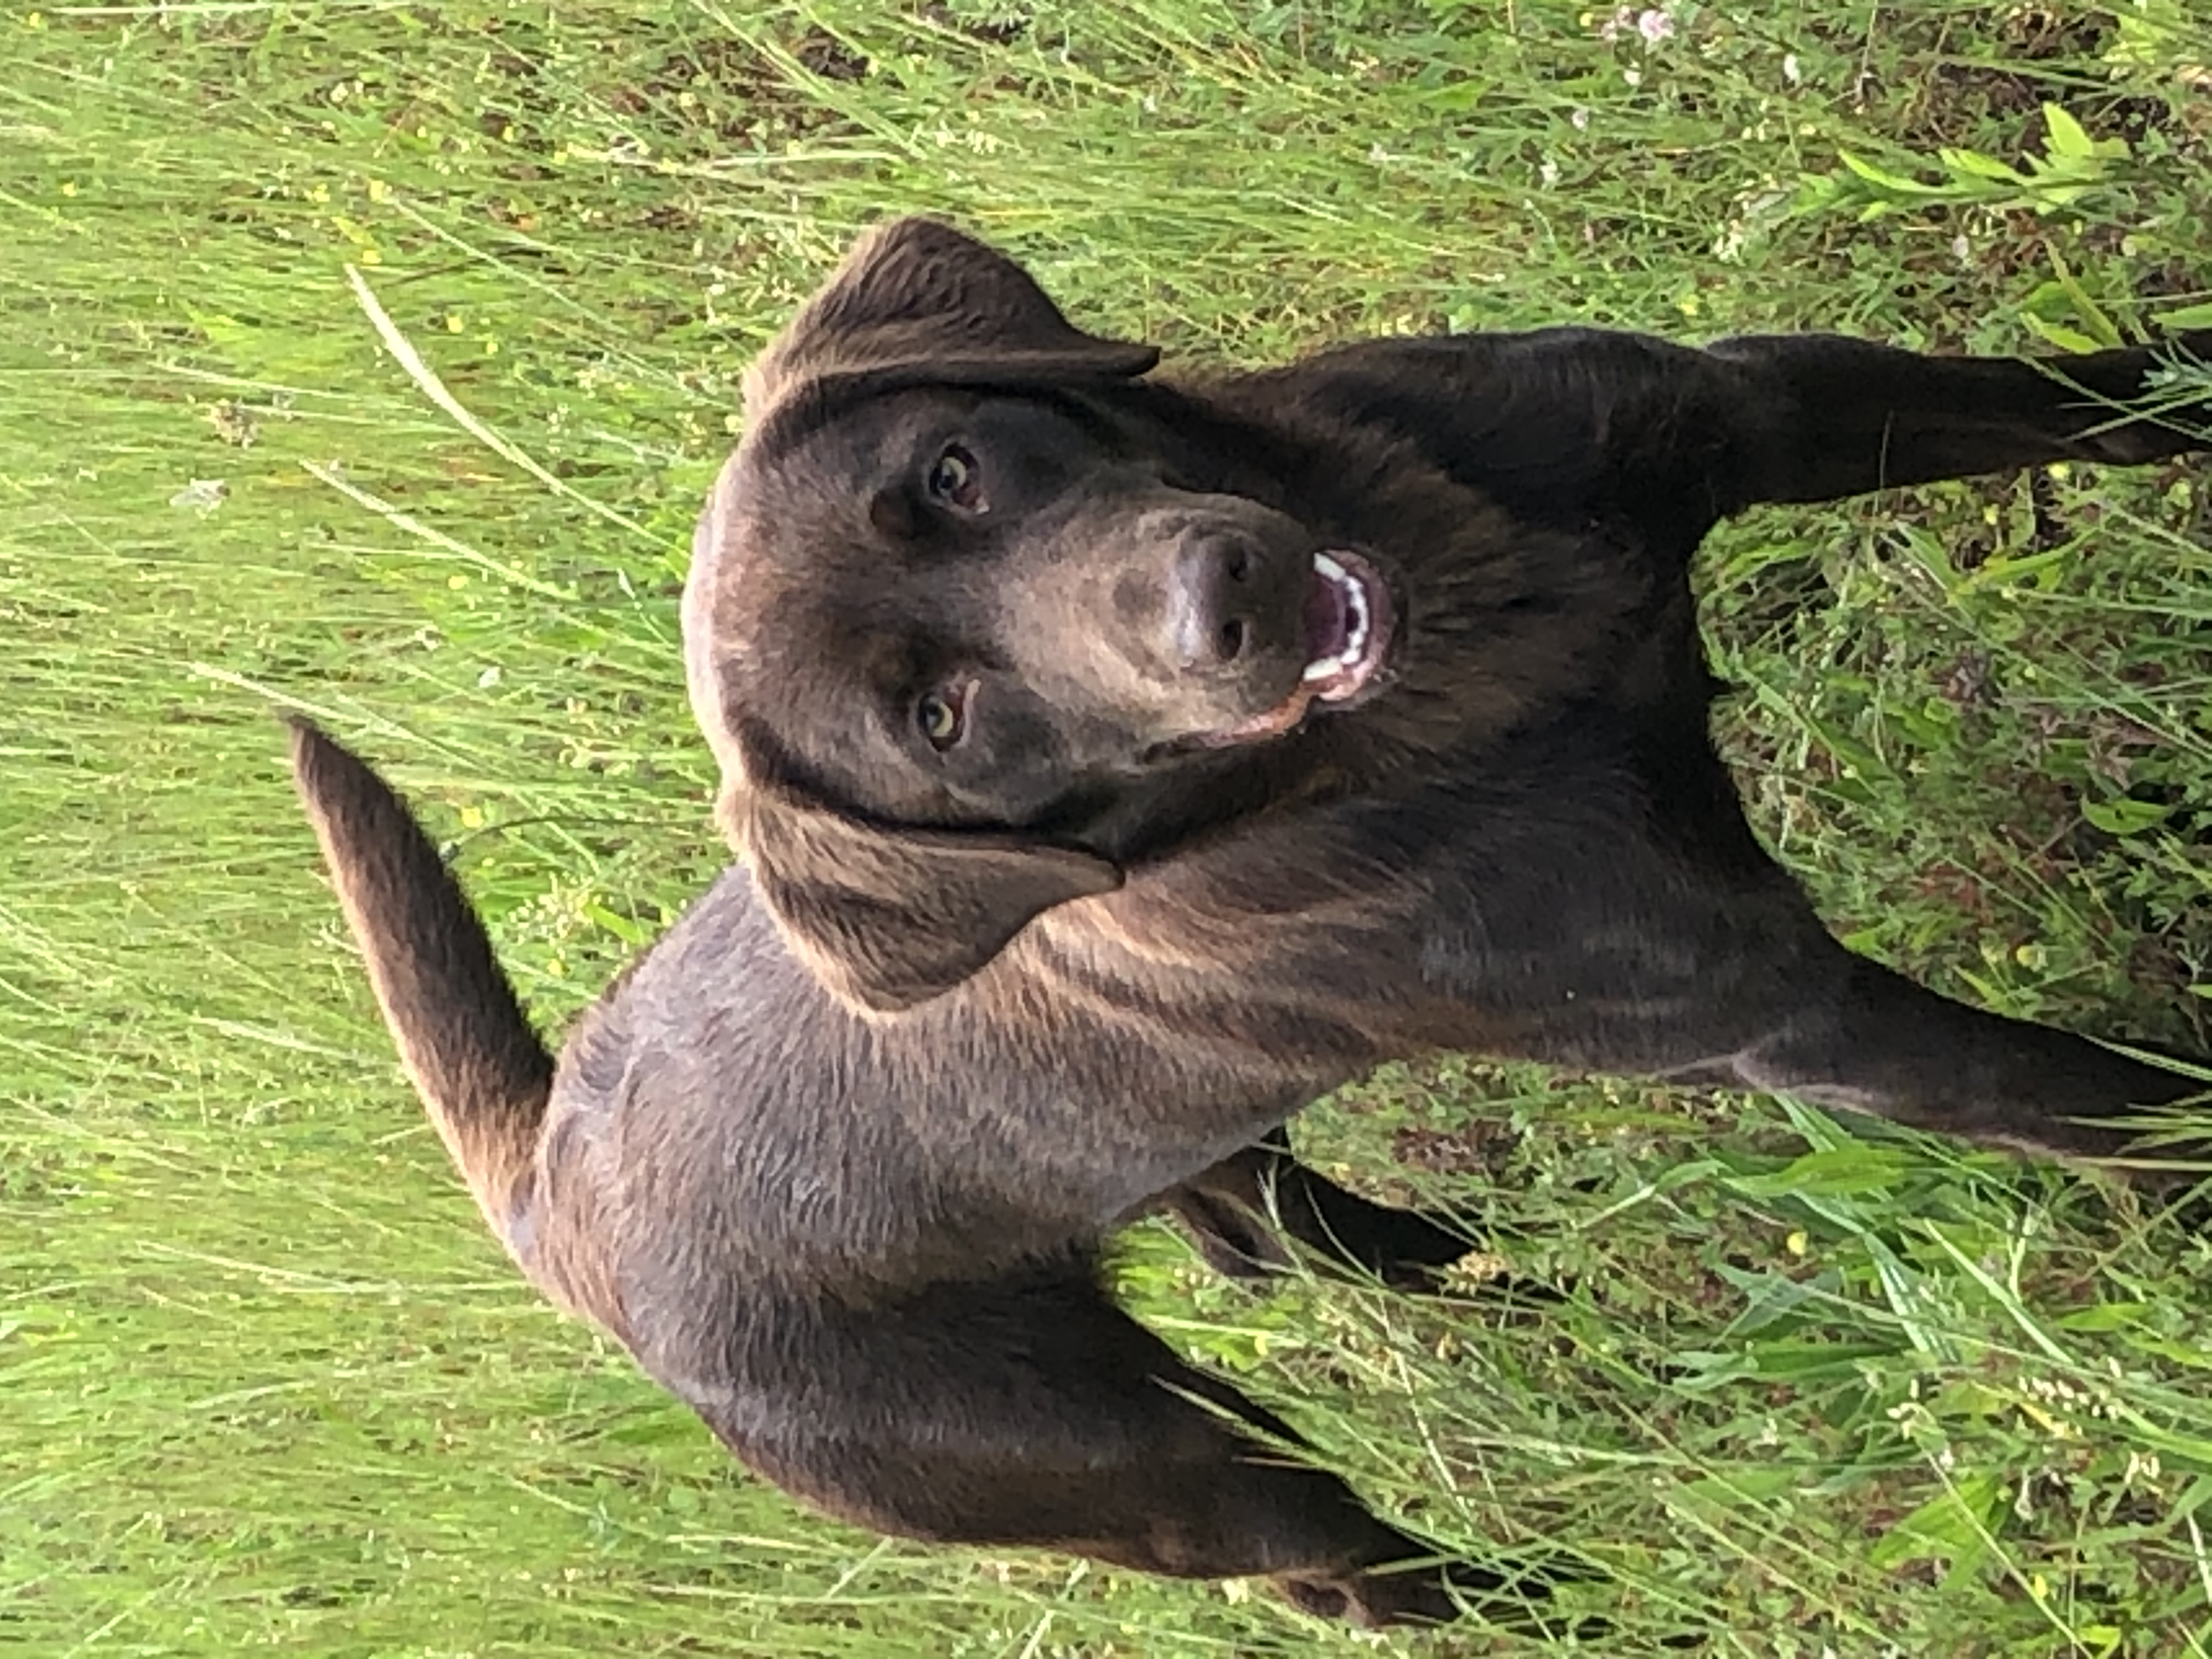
x,y
958,482
943,717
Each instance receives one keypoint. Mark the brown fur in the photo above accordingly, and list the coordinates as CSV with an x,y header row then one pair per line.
x,y
837,1159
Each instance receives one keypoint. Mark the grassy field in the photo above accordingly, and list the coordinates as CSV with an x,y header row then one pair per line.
x,y
372,358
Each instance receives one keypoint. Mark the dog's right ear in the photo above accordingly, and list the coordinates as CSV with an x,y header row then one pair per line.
x,y
888,918
920,296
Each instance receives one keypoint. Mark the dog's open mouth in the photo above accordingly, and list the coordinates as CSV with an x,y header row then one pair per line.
x,y
1349,625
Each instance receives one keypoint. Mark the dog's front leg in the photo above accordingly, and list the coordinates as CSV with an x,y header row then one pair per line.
x,y
1813,417
1872,1040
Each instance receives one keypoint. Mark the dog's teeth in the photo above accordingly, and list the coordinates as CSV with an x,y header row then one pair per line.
x,y
1356,619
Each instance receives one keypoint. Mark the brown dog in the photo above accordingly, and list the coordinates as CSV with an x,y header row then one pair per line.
x,y
1117,767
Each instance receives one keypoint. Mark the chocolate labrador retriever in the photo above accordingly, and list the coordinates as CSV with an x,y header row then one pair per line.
x,y
1118,764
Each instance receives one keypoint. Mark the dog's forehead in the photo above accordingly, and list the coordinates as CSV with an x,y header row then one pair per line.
x,y
798,559
827,452
789,520
797,626
791,565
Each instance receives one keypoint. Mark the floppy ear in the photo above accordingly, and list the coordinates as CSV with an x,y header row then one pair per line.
x,y
919,296
888,919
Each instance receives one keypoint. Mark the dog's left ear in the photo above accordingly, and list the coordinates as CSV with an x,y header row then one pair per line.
x,y
888,919
920,296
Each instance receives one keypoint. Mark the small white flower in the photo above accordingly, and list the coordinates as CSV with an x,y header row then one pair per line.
x,y
1654,24
1792,71
1549,172
1578,118
205,494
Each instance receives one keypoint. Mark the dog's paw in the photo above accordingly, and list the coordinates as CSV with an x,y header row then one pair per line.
x,y
1422,1256
1517,1598
1407,1250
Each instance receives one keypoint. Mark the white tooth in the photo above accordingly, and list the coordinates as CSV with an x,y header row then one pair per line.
x,y
1356,621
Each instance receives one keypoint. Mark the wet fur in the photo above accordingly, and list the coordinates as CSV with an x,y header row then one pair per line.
x,y
836,1160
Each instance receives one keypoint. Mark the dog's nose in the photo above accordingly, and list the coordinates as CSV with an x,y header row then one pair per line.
x,y
1211,594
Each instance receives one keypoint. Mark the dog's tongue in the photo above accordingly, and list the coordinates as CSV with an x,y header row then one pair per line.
x,y
1329,620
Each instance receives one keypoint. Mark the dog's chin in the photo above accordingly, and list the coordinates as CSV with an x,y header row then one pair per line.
x,y
1352,636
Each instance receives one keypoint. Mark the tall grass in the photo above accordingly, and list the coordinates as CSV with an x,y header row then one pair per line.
x,y
264,1383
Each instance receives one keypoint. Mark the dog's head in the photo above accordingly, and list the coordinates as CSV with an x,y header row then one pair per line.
x,y
969,609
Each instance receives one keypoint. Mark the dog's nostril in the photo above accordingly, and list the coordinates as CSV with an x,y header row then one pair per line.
x,y
1229,641
1239,567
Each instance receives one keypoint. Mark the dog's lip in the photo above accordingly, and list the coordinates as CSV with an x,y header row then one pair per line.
x,y
1351,622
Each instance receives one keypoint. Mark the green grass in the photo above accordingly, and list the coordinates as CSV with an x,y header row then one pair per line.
x,y
265,1384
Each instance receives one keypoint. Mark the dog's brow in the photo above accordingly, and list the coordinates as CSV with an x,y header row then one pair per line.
x,y
1078,411
804,414
819,403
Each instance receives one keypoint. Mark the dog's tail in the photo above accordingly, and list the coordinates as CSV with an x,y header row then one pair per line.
x,y
479,1066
